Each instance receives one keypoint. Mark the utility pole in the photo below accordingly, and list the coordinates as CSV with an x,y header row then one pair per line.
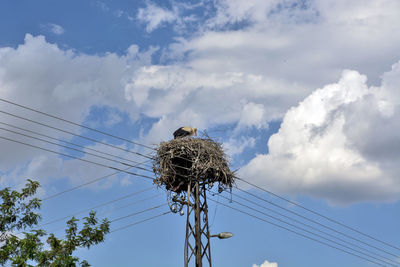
x,y
188,168
197,241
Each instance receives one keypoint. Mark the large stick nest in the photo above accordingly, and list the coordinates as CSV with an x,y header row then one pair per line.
x,y
181,161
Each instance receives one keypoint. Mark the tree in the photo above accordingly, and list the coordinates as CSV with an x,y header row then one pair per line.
x,y
18,211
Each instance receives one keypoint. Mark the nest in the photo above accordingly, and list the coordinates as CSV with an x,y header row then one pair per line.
x,y
185,160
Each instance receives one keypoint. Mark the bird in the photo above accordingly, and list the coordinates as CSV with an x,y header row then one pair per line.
x,y
185,131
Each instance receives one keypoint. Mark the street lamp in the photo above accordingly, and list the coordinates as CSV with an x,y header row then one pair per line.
x,y
223,235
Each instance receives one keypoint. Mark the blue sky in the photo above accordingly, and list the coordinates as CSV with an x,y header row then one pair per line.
x,y
302,94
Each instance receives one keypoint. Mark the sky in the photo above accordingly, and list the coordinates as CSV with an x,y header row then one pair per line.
x,y
303,95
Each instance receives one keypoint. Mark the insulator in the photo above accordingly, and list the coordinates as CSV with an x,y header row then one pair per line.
x,y
173,209
182,213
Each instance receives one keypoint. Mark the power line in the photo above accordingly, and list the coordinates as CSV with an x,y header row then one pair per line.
x,y
85,184
86,127
71,148
135,202
79,186
77,135
310,226
129,215
74,123
97,206
66,142
318,223
298,233
310,232
84,160
85,137
136,213
74,134
141,221
319,214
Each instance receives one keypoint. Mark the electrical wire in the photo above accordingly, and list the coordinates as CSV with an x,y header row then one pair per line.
x,y
84,184
77,135
74,123
87,138
74,149
310,232
74,134
86,127
66,142
298,233
136,213
311,227
129,215
318,223
84,160
97,206
141,221
135,202
319,214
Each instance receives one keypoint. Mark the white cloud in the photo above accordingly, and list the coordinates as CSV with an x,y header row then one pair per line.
x,y
54,28
340,143
154,16
247,66
63,83
266,264
253,115
277,59
183,95
179,16
312,53
235,146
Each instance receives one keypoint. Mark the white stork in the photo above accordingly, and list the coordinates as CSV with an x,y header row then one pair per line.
x,y
185,131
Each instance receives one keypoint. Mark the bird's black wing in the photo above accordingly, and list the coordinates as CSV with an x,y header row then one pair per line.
x,y
180,133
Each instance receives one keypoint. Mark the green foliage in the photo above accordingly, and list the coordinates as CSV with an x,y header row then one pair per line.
x,y
18,211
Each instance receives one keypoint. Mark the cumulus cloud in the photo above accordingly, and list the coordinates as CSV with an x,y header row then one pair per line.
x,y
246,66
266,264
182,95
324,40
276,54
264,66
339,143
63,83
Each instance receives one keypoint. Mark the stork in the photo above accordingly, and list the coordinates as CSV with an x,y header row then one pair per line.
x,y
185,131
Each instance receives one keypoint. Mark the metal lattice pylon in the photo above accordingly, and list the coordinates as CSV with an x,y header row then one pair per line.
x,y
197,242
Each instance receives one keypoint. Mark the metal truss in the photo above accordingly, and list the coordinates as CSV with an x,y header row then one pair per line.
x,y
197,242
